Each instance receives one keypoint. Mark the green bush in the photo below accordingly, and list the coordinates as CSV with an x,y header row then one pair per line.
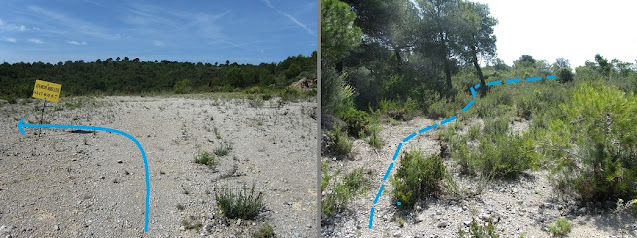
x,y
205,158
338,142
342,191
244,204
506,156
182,87
266,231
561,227
357,121
418,176
476,230
595,140
374,140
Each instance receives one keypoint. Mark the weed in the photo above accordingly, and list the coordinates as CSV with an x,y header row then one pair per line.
x,y
180,207
339,143
244,204
476,230
417,176
190,226
561,227
373,140
342,191
205,158
266,231
223,148
217,134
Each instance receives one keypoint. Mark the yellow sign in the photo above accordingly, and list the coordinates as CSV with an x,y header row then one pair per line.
x,y
47,90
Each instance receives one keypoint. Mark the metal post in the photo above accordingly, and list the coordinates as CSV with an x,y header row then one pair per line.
x,y
42,117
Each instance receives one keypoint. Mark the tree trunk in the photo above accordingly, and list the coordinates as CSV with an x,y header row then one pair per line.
x,y
444,55
398,58
339,67
474,54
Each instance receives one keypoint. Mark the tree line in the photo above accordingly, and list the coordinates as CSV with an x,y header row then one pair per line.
x,y
125,76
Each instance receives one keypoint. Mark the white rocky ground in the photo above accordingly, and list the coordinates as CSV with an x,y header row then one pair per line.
x,y
525,206
65,184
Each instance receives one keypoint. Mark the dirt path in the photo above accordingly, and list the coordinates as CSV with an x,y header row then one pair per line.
x,y
92,184
525,207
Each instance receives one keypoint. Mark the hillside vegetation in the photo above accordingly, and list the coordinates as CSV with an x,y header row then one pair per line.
x,y
125,76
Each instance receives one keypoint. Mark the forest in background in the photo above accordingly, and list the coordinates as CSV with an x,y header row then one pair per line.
x,y
132,76
390,61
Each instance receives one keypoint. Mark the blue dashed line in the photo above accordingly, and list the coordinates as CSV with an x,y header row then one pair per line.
x,y
397,151
512,81
371,218
380,191
423,130
388,171
448,120
410,136
468,106
492,83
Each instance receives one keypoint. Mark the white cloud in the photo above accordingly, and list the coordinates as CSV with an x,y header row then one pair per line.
x,y
292,18
12,40
36,41
74,24
76,42
158,43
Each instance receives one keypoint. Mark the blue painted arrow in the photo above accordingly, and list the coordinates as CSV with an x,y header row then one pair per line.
x,y
21,125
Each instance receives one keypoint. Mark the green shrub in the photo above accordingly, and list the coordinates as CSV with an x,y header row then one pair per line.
x,y
596,143
335,92
182,87
205,158
561,227
507,156
339,143
244,204
357,121
418,176
266,231
498,126
342,191
374,140
476,230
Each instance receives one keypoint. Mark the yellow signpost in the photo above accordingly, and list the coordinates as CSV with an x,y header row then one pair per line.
x,y
47,91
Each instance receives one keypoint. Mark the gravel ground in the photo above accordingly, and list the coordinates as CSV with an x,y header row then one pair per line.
x,y
524,206
68,183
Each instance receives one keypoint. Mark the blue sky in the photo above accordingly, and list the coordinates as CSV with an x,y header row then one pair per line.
x,y
207,31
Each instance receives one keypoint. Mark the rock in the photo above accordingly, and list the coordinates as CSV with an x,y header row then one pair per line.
x,y
208,227
438,212
239,222
466,223
515,190
397,234
56,228
182,228
443,224
464,208
560,207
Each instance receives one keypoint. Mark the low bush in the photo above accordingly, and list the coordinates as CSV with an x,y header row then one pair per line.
x,y
595,140
357,121
477,230
223,148
374,140
205,158
266,231
244,203
561,227
342,191
338,142
418,176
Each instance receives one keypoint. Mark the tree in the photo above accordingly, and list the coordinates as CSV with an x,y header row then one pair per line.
x,y
562,69
117,59
476,36
338,32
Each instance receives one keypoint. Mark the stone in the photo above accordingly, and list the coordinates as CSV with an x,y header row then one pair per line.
x,y
182,228
443,224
